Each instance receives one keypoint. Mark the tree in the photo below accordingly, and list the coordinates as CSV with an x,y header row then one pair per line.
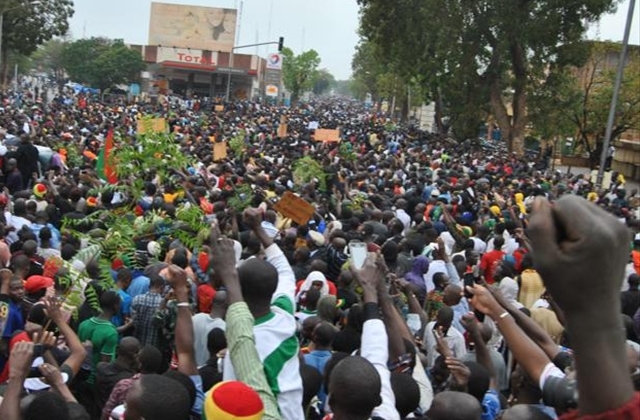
x,y
101,62
582,95
27,25
298,71
495,49
49,57
324,81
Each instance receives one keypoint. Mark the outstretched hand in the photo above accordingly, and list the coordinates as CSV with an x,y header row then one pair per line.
x,y
580,252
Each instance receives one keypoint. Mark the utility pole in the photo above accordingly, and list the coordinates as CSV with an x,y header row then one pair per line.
x,y
616,92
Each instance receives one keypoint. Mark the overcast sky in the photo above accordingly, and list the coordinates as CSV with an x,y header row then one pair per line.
x,y
328,26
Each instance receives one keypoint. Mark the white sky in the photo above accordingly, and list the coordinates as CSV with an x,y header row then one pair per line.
x,y
328,26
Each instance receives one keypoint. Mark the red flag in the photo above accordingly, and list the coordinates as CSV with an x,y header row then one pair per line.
x,y
104,168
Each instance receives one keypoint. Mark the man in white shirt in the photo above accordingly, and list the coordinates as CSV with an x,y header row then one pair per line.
x,y
402,215
453,337
203,323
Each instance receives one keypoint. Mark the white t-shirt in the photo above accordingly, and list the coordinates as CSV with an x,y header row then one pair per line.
x,y
202,325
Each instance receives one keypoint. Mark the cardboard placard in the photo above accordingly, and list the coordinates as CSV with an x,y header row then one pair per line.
x,y
219,108
282,130
295,208
327,135
219,151
154,125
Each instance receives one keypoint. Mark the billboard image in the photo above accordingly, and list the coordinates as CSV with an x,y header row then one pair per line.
x,y
195,27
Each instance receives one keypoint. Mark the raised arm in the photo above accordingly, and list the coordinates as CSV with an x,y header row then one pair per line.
x,y
240,337
78,352
286,278
529,326
581,252
374,345
482,351
21,357
531,357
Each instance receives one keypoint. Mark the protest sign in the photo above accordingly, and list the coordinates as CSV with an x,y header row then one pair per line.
x,y
295,208
282,130
219,151
327,135
153,125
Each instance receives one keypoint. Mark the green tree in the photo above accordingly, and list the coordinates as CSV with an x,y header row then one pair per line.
x,y
581,96
27,25
324,81
49,57
299,71
486,52
101,62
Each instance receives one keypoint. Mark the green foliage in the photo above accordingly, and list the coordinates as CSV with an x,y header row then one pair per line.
x,y
307,169
28,24
153,152
242,197
238,145
478,54
577,100
299,71
101,62
345,151
323,82
49,58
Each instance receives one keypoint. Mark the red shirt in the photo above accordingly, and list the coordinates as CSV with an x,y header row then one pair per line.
x,y
488,264
629,411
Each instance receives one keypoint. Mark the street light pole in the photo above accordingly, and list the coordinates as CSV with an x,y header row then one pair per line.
x,y
230,67
616,91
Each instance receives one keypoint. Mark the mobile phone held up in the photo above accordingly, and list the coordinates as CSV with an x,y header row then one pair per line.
x,y
357,254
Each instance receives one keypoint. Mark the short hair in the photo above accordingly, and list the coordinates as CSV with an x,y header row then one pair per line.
x,y
45,234
185,381
450,405
216,341
45,406
445,315
163,398
180,258
406,391
67,252
355,387
258,281
498,242
150,359
156,281
109,300
124,274
478,380
524,412
324,334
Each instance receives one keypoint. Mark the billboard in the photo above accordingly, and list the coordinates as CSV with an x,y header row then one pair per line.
x,y
194,27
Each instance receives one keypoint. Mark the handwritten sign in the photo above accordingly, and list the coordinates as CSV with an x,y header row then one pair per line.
x,y
295,208
327,135
155,125
219,108
282,130
219,151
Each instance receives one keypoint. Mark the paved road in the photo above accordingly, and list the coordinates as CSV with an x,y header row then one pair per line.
x,y
630,185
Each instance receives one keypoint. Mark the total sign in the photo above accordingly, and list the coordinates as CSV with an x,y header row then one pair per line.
x,y
274,61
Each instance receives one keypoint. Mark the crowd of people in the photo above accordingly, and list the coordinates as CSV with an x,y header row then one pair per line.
x,y
490,289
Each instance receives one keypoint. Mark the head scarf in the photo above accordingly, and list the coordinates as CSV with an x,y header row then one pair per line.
x,y
420,268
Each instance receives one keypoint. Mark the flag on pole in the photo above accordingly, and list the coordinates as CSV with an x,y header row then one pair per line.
x,y
103,166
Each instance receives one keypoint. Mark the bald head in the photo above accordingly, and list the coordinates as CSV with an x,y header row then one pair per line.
x,y
452,295
451,405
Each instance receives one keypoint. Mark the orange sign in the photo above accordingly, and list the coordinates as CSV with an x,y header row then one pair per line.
x,y
219,108
282,130
155,125
219,151
327,135
295,208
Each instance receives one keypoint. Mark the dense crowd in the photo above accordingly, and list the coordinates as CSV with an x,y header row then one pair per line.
x,y
491,288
